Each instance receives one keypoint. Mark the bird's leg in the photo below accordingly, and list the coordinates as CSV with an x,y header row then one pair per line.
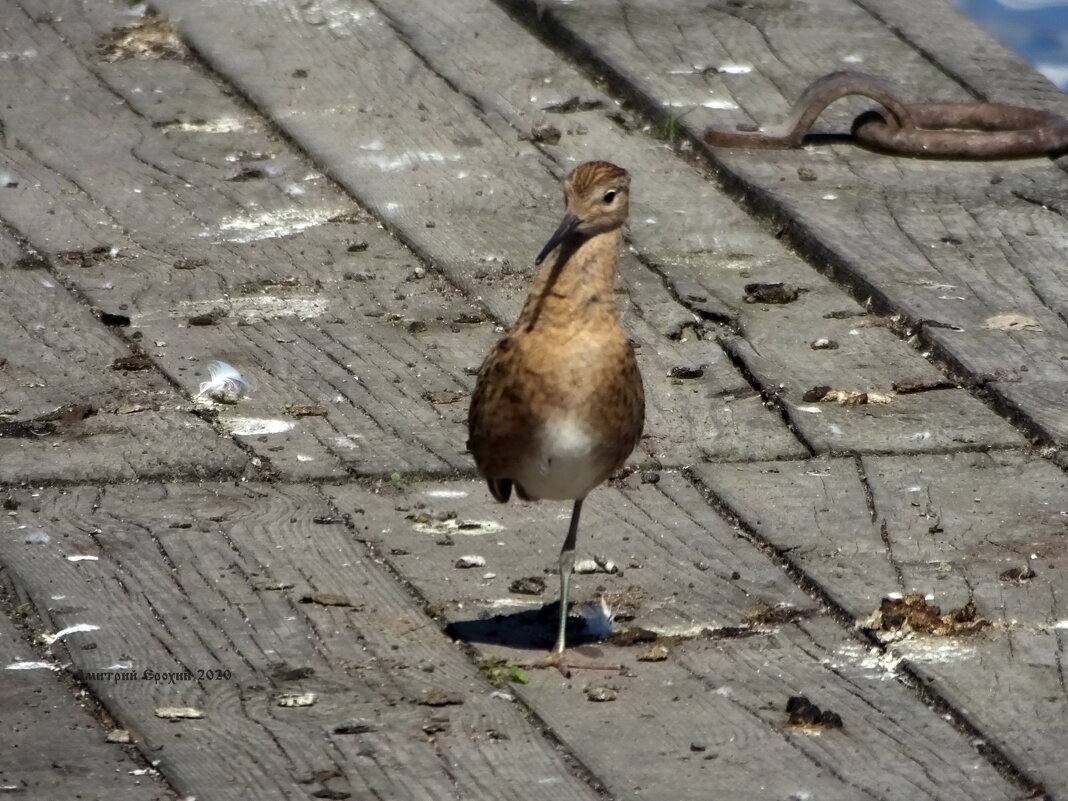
x,y
567,564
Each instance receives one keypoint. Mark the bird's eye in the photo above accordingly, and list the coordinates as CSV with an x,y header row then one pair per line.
x,y
610,195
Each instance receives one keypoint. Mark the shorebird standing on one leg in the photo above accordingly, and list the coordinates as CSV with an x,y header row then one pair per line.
x,y
559,403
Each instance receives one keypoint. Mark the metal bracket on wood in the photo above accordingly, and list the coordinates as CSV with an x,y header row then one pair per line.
x,y
933,130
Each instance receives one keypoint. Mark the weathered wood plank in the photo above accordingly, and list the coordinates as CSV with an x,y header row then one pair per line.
x,y
679,220
244,580
719,730
940,243
240,238
220,242
909,405
374,399
459,188
957,528
712,713
119,424
54,748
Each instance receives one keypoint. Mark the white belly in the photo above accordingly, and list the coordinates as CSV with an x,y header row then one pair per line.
x,y
566,464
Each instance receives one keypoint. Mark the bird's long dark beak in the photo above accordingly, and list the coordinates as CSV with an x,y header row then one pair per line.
x,y
567,227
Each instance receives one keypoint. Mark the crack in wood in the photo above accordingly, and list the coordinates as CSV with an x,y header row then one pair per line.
x,y
797,743
771,396
862,476
874,514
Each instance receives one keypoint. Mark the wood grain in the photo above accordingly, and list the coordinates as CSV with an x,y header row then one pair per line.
x,y
458,188
59,748
132,424
244,580
343,200
955,528
705,249
712,712
938,243
220,241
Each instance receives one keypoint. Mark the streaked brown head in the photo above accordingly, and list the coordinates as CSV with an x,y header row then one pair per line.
x,y
598,200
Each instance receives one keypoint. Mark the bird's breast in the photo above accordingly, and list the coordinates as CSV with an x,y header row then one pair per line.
x,y
567,461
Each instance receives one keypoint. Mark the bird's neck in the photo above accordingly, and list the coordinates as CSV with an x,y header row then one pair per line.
x,y
576,286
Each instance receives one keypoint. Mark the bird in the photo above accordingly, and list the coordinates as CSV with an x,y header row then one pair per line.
x,y
558,404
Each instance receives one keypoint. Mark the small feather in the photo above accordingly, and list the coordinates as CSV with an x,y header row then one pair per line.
x,y
599,618
224,385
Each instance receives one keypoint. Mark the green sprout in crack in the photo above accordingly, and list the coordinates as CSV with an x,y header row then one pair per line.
x,y
401,480
500,671
671,124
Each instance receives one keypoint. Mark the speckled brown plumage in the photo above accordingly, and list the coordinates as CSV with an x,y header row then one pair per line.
x,y
559,403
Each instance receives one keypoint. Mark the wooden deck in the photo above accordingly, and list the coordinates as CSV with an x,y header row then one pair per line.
x,y
342,199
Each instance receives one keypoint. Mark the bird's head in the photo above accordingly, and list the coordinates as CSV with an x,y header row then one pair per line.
x,y
597,195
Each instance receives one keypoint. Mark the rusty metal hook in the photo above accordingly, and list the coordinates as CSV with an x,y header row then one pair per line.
x,y
934,130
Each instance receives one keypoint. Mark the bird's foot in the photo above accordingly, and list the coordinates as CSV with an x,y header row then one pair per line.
x,y
565,664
